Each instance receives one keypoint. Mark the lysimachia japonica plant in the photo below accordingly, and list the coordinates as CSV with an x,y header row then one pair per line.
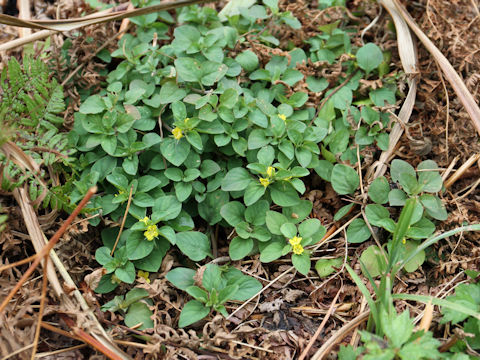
x,y
195,132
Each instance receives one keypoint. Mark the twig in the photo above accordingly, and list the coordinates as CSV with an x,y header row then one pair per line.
x,y
41,309
59,351
16,352
320,328
123,220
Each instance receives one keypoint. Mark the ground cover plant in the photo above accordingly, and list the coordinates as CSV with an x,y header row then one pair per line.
x,y
188,130
230,146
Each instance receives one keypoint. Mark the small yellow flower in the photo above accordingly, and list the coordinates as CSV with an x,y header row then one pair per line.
x,y
296,240
298,249
144,275
282,116
270,171
177,133
145,220
404,241
265,181
120,192
151,233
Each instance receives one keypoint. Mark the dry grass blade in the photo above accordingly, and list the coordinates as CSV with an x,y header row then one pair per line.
x,y
24,13
96,18
46,249
339,335
465,166
465,97
36,235
408,56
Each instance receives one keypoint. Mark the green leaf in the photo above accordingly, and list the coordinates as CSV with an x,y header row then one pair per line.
x,y
257,139
397,197
325,267
137,246
208,168
284,194
274,221
233,212
210,208
342,99
345,179
212,72
358,232
175,151
247,285
139,313
434,207
376,214
398,328
400,167
344,210
401,228
188,69
255,214
226,293
316,85
417,260
309,227
154,260
106,284
126,273
324,169
102,255
181,277
236,179
248,60
373,261
382,95
253,192
183,190
212,277
271,252
239,248
369,57
170,92
302,262
193,244
299,212
431,180
421,229
379,190
197,293
288,230
92,105
166,208
192,312
303,156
